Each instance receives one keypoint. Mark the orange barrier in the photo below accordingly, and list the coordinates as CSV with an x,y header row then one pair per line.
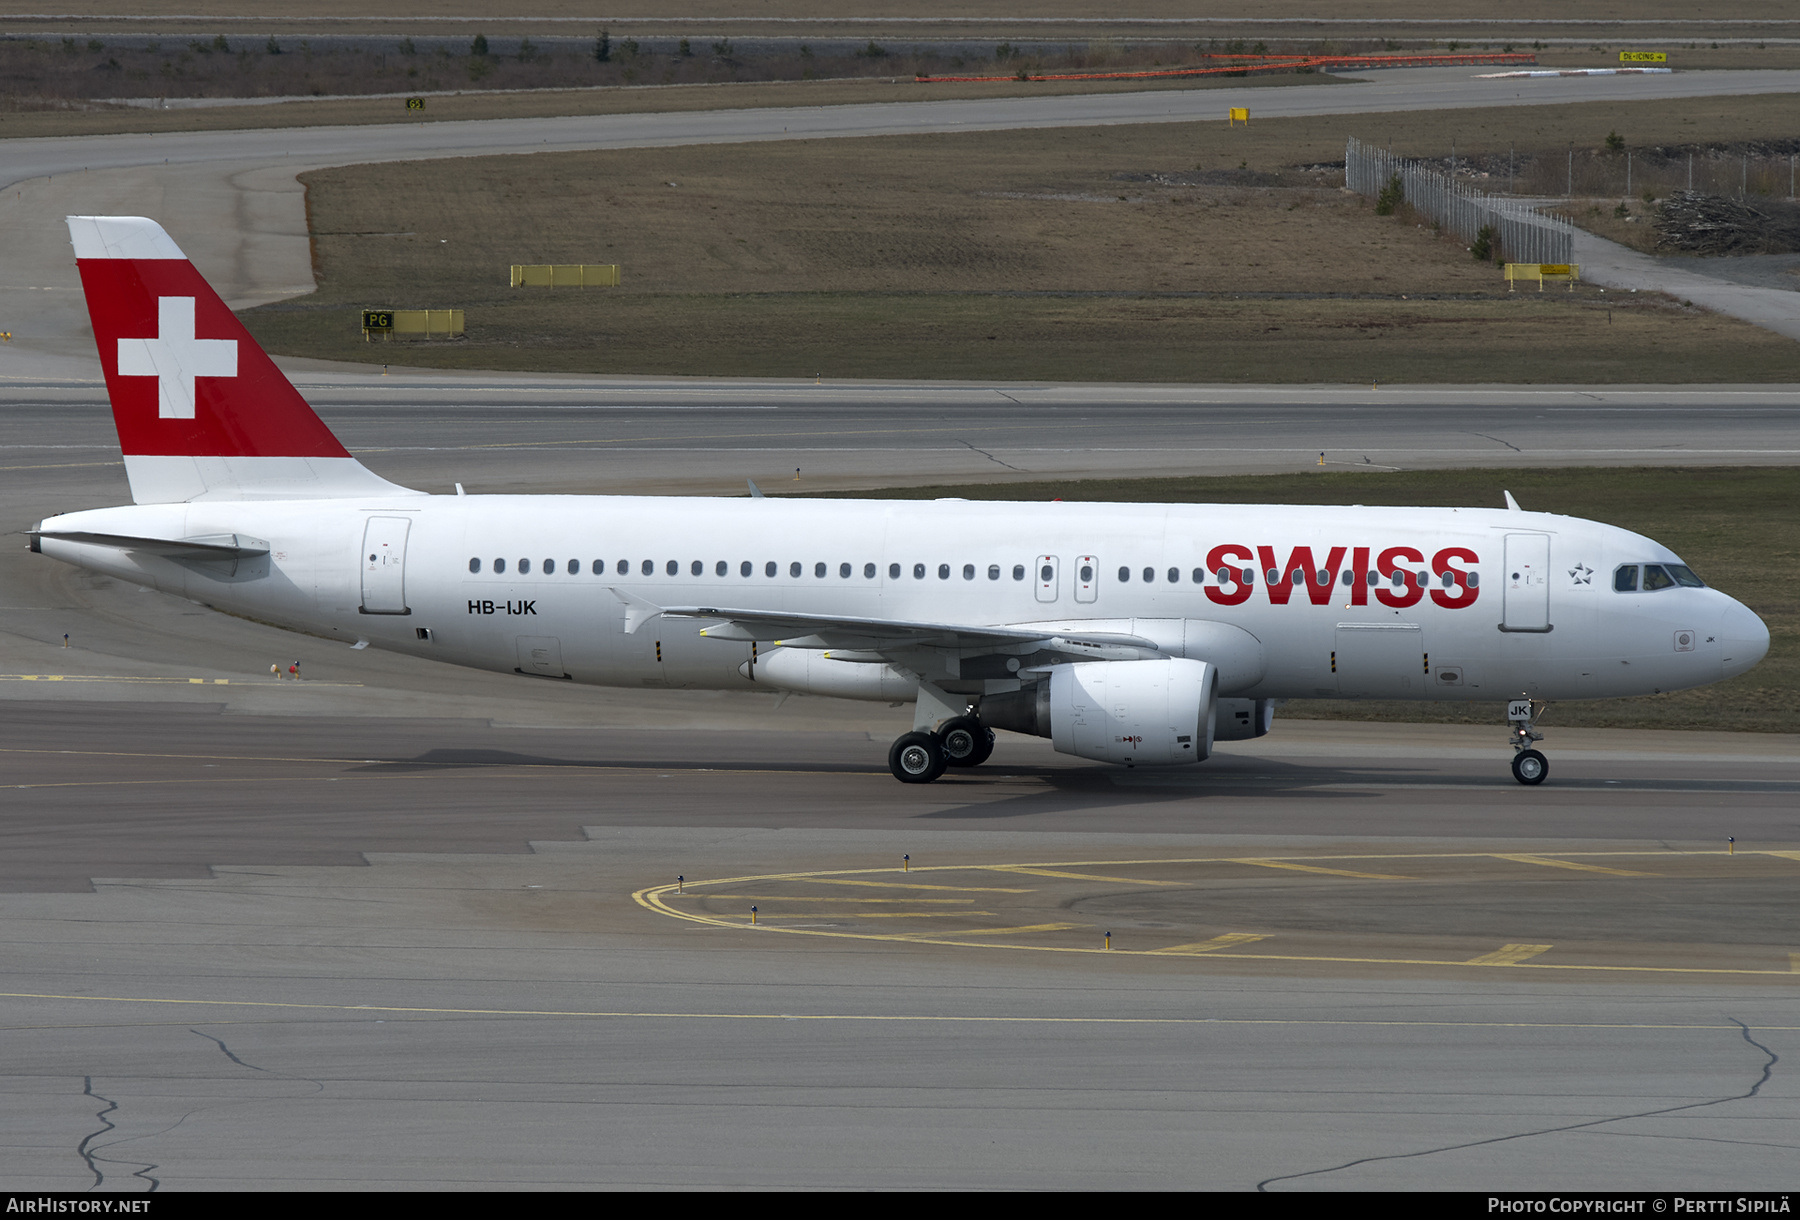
x,y
1243,64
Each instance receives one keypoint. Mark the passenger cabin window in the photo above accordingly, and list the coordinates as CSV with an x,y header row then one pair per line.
x,y
624,567
943,571
474,565
745,568
1149,576
574,567
549,567
524,567
649,567
499,566
769,568
819,571
696,568
1199,576
672,567
918,571
968,571
993,571
868,571
721,568
1124,576
893,571
843,571
1019,572
794,570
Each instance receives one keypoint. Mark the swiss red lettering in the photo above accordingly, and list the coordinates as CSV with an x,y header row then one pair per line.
x,y
1216,559
1359,573
1459,596
1385,566
1281,580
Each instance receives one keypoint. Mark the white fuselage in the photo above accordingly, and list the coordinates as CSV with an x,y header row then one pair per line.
x,y
1529,608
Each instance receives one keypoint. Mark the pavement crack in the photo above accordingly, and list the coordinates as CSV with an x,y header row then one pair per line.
x,y
1484,436
81,1149
990,457
1768,1069
227,1051
88,1152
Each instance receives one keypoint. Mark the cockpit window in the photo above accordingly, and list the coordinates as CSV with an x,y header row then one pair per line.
x,y
1656,578
1684,576
1625,579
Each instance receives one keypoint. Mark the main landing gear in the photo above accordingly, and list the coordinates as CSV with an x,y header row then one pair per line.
x,y
920,757
1528,765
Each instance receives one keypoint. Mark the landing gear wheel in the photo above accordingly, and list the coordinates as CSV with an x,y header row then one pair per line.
x,y
1530,767
916,758
966,742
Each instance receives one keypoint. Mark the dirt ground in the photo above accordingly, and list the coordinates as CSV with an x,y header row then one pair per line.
x,y
1163,252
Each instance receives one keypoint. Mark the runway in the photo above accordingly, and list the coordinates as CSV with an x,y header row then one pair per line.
x,y
499,433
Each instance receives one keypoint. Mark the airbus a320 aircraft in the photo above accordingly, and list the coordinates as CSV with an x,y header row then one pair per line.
x,y
1125,633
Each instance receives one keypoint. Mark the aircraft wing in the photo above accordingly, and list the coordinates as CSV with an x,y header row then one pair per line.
x,y
789,629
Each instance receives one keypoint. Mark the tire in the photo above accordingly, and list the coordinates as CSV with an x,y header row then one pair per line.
x,y
966,742
916,758
1530,767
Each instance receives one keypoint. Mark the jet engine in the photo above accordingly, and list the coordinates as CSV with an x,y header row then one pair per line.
x,y
1150,713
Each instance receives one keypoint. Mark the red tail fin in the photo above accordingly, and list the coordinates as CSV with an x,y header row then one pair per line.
x,y
202,411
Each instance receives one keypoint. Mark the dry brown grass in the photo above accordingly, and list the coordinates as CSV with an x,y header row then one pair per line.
x,y
1077,254
993,212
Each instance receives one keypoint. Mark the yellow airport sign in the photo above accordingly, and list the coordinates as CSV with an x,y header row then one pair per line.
x,y
1643,57
565,275
1238,114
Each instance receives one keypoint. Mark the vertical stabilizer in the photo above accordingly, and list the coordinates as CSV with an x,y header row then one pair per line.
x,y
201,410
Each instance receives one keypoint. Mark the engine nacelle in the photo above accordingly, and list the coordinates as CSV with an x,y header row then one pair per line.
x,y
1150,713
1242,719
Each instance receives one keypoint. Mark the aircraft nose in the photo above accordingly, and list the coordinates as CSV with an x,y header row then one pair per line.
x,y
1745,637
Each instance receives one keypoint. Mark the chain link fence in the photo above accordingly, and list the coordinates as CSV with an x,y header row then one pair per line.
x,y
1521,234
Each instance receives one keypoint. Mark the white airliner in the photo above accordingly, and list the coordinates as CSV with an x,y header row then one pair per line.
x,y
1125,633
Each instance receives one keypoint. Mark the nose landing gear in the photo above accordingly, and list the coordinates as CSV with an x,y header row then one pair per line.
x,y
1528,765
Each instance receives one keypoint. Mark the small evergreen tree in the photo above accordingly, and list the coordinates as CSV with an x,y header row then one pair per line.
x,y
603,47
1390,196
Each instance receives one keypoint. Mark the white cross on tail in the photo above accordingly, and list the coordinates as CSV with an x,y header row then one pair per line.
x,y
175,357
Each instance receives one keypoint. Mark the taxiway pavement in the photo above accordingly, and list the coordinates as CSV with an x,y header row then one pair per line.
x,y
398,925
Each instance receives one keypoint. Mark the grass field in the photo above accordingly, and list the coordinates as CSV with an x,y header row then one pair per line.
x,y
1738,527
1165,252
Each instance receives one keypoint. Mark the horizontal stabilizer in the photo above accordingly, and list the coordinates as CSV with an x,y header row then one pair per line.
x,y
209,546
